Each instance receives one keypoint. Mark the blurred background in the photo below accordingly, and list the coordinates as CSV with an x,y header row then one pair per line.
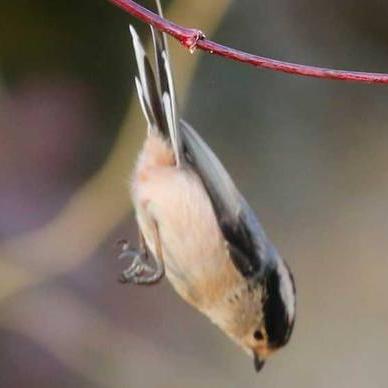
x,y
310,155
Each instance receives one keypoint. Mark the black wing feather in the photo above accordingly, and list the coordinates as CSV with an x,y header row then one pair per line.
x,y
250,249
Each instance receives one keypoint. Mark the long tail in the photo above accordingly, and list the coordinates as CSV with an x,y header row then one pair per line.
x,y
156,91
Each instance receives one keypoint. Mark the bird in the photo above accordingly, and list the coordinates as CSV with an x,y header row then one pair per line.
x,y
196,228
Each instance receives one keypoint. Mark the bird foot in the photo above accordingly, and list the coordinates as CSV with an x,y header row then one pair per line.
x,y
139,270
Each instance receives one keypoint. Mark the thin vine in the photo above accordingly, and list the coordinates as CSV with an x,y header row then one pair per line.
x,y
195,39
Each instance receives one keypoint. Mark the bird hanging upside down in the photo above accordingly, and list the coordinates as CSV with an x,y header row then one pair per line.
x,y
201,232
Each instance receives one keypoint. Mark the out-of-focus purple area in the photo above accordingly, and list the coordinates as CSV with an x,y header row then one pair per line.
x,y
43,133
310,155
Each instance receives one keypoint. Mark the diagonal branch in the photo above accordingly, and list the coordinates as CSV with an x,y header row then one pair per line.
x,y
192,38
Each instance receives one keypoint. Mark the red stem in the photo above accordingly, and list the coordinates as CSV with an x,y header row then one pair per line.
x,y
192,38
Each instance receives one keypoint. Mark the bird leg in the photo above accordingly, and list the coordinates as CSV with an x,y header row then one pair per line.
x,y
139,271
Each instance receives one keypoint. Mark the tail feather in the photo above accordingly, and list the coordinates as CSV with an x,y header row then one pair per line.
x,y
144,105
167,89
157,94
146,86
160,46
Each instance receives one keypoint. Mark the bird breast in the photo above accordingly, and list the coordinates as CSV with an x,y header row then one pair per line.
x,y
195,254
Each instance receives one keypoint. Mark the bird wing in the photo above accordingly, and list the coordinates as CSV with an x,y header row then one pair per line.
x,y
249,247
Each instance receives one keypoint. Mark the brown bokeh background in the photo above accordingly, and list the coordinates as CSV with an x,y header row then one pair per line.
x,y
310,155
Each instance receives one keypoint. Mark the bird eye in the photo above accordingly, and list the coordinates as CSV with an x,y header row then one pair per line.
x,y
258,335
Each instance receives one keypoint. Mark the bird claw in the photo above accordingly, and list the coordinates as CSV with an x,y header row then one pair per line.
x,y
139,271
128,254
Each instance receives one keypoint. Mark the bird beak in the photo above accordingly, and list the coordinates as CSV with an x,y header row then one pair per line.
x,y
258,362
